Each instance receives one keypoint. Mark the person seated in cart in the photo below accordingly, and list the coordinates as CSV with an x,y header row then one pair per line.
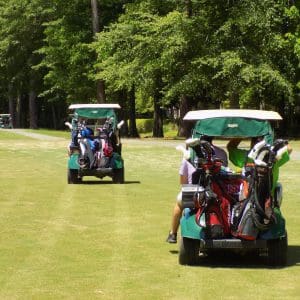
x,y
239,157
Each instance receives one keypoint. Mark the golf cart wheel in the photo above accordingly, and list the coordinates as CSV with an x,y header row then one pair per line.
x,y
277,251
118,176
73,176
189,251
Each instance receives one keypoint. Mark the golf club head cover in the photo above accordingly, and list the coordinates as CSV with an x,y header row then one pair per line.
x,y
280,152
255,150
192,142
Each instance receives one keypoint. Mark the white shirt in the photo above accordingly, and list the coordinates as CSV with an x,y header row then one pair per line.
x,y
187,169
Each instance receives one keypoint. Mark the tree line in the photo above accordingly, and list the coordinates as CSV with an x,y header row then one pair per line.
x,y
151,56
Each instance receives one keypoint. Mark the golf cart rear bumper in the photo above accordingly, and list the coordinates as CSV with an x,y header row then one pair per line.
x,y
101,172
232,244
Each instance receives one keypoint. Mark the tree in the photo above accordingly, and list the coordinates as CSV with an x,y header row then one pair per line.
x,y
120,55
68,57
188,54
246,60
129,54
21,34
96,29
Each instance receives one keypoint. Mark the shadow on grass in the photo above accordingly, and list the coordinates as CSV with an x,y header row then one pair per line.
x,y
293,255
109,182
232,260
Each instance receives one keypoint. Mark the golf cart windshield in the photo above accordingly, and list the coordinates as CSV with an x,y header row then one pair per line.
x,y
233,123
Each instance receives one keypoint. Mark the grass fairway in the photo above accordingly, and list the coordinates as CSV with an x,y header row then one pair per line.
x,y
103,241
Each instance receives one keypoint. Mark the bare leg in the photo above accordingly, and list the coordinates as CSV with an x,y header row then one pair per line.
x,y
177,212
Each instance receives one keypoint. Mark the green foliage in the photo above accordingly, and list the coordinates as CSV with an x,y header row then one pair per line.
x,y
243,53
50,40
226,50
144,125
67,57
251,60
170,129
21,34
145,128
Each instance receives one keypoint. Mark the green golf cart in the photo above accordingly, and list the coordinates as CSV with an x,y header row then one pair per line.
x,y
226,211
6,121
95,147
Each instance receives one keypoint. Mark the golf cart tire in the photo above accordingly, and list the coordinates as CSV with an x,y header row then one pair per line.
x,y
73,176
189,251
277,252
118,176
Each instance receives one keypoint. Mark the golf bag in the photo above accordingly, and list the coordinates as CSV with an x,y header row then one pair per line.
x,y
108,143
242,220
255,212
88,146
213,210
213,213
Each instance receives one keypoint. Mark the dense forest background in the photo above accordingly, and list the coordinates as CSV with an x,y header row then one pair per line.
x,y
157,58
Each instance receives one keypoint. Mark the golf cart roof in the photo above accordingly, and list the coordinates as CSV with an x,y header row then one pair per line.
x,y
4,115
106,105
95,111
228,123
243,113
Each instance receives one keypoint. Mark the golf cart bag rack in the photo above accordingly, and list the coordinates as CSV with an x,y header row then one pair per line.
x,y
232,243
188,193
229,182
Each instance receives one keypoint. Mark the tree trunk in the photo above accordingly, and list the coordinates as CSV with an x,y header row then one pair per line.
x,y
262,105
184,128
234,101
132,117
123,114
54,118
158,119
19,111
283,125
158,130
95,16
12,108
32,110
100,86
188,8
101,96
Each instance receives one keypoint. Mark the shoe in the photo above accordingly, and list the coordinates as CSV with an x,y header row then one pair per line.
x,y
172,238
